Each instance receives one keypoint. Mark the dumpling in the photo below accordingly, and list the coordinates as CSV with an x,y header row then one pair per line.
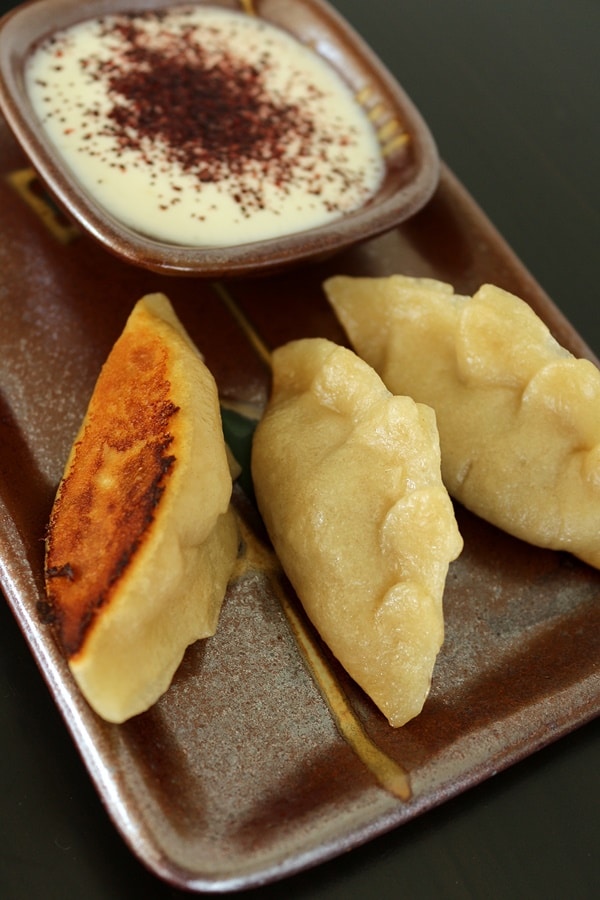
x,y
518,415
141,540
347,479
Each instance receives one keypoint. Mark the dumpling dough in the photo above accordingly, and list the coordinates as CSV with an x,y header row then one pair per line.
x,y
142,538
347,479
518,415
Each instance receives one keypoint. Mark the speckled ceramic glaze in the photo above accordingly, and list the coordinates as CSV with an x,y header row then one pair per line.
x,y
241,774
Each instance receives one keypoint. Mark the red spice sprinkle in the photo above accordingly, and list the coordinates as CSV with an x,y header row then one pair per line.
x,y
215,118
215,108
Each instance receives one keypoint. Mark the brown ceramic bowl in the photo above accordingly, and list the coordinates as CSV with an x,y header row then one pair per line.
x,y
411,169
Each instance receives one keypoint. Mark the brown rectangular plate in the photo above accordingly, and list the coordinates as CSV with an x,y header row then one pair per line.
x,y
243,773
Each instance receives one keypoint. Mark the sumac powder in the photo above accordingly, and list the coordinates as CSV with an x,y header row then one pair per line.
x,y
215,125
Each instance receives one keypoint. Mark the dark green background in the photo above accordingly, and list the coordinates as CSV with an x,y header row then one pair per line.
x,y
511,90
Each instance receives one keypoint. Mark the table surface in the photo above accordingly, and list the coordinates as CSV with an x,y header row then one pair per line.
x,y
511,93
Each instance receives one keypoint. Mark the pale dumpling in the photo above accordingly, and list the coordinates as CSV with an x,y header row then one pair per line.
x,y
347,479
518,415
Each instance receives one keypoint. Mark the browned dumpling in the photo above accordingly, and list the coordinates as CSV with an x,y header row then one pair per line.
x,y
141,540
518,415
347,479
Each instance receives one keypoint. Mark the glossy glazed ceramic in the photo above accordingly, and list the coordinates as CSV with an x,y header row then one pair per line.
x,y
240,774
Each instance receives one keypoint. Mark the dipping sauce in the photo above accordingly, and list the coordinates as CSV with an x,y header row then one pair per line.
x,y
198,126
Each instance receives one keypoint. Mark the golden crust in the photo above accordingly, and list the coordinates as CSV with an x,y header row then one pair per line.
x,y
116,474
141,539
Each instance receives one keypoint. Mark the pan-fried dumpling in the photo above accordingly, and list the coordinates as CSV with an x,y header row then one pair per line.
x,y
347,479
518,415
141,540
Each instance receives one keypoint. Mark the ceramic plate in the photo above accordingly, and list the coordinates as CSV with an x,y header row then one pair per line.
x,y
409,152
244,771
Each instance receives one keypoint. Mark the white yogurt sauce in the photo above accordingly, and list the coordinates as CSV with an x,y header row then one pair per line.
x,y
202,126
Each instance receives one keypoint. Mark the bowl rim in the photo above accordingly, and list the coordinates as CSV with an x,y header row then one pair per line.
x,y
33,20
